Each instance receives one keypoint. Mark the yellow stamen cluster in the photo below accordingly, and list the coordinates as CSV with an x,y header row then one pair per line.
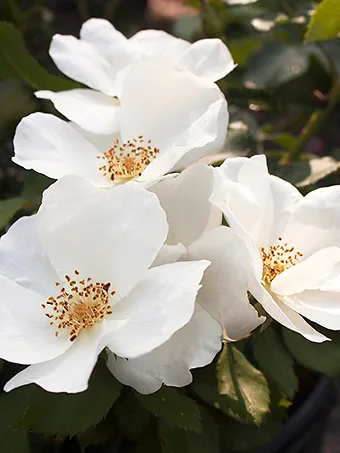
x,y
128,160
277,259
79,307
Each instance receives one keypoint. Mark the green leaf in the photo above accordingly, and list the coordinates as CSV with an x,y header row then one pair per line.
x,y
63,414
8,208
325,22
321,357
34,185
176,440
132,418
16,63
244,386
275,64
275,361
178,410
14,441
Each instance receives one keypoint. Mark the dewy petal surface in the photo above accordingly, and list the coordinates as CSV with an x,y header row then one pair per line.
x,y
108,235
225,282
176,110
193,346
25,333
53,147
91,110
185,199
158,306
80,61
23,259
69,372
208,58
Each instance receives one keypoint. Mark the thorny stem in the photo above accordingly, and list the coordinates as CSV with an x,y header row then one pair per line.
x,y
318,117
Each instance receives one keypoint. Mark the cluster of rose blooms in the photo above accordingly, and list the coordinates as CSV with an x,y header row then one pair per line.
x,y
130,256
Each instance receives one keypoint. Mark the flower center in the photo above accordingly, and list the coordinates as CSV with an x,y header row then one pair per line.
x,y
128,160
277,259
79,307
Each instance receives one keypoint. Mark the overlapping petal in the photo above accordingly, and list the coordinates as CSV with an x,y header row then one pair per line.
x,y
195,345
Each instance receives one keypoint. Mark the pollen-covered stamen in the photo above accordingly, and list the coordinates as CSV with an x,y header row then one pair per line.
x,y
80,306
128,160
277,259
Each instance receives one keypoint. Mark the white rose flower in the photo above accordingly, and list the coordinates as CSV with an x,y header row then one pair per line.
x,y
75,279
222,306
168,118
99,59
293,243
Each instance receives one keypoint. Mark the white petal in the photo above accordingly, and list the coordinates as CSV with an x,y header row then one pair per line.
x,y
193,346
170,254
185,199
156,308
309,274
69,372
246,198
53,147
23,259
224,285
158,43
322,307
315,222
208,58
80,61
25,332
282,313
285,198
176,110
112,45
110,235
91,110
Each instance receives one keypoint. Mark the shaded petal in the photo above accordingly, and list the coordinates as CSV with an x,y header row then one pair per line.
x,y
208,58
23,259
91,110
109,235
282,313
69,372
310,273
314,224
224,285
176,110
53,147
185,199
156,308
193,346
25,333
322,307
158,43
80,61
170,254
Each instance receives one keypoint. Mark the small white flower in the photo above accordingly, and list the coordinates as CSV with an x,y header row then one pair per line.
x,y
222,306
99,59
293,243
74,279
168,118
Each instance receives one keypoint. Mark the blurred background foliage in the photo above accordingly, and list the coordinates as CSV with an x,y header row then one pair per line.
x,y
283,95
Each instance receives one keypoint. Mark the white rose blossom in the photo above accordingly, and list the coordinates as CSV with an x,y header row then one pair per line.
x,y
222,306
292,242
75,279
168,119
99,60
